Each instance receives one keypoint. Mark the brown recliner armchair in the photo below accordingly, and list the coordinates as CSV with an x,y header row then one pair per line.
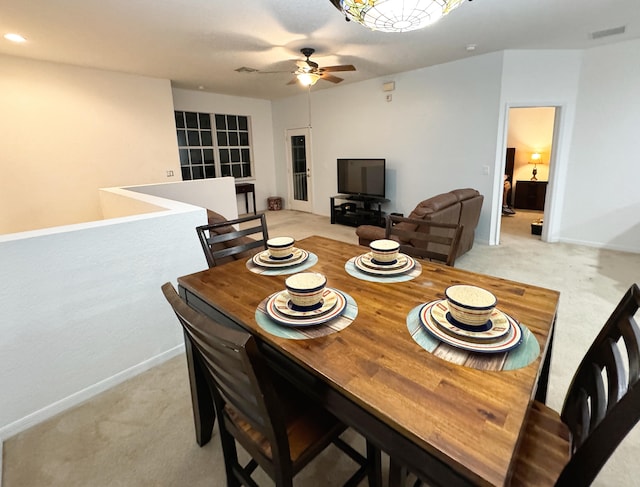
x,y
460,206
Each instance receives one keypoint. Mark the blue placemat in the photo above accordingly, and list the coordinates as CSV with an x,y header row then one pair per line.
x,y
339,323
519,357
352,270
280,271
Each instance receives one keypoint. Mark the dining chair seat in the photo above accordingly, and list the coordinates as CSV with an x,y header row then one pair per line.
x,y
536,465
280,427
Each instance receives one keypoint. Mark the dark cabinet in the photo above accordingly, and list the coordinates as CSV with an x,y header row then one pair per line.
x,y
530,195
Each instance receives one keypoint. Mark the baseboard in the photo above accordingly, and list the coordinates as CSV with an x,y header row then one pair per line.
x,y
600,245
81,396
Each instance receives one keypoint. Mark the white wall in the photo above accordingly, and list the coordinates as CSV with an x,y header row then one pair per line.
x,y
446,122
261,134
215,194
437,133
80,305
67,131
602,202
550,79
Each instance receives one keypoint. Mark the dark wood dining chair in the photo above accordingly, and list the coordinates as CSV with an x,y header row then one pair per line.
x,y
280,428
425,239
601,406
232,239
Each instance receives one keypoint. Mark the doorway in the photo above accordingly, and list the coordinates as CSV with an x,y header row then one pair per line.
x,y
299,173
529,155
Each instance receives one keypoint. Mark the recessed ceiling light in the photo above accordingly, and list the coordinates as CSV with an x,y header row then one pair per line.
x,y
471,47
14,37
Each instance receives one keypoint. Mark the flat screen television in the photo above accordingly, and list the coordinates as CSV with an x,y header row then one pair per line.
x,y
362,177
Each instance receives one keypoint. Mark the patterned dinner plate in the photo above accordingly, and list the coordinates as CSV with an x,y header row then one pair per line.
x,y
280,312
509,341
361,262
284,307
497,326
369,262
298,256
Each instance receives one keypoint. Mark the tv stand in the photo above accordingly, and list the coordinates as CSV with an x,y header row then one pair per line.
x,y
357,210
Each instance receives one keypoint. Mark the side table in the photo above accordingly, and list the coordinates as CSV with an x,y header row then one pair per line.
x,y
246,188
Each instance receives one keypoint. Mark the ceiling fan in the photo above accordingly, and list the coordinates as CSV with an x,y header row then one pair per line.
x,y
308,72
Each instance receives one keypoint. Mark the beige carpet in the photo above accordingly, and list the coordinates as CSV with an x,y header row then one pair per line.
x,y
140,433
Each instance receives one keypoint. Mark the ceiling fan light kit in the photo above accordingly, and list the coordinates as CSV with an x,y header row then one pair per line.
x,y
308,79
309,72
396,15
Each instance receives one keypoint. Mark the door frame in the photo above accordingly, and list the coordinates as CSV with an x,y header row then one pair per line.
x,y
306,206
557,172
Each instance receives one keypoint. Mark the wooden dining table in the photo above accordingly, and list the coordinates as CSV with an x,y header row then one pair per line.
x,y
451,424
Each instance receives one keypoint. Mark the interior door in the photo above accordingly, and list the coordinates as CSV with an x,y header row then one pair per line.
x,y
299,169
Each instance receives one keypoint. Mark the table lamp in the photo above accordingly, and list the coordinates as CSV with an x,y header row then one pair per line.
x,y
535,160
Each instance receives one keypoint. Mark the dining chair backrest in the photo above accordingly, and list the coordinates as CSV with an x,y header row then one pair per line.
x,y
603,401
280,429
232,239
238,374
425,239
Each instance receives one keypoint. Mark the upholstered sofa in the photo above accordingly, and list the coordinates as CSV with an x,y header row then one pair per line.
x,y
460,206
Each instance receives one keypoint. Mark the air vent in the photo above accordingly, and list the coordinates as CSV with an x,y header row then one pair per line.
x,y
608,32
245,69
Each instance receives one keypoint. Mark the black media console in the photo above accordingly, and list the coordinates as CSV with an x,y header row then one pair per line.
x,y
357,210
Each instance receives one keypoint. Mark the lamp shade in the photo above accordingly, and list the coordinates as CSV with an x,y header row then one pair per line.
x,y
536,158
397,15
308,79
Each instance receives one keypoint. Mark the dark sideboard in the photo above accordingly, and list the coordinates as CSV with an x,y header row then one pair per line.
x,y
530,195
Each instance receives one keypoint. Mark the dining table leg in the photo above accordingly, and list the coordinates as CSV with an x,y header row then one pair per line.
x,y
543,380
204,415
397,474
374,459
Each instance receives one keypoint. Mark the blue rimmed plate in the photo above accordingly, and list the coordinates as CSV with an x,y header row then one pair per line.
x,y
279,309
509,341
365,264
263,259
497,326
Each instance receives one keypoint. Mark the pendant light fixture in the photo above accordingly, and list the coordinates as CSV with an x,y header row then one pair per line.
x,y
395,15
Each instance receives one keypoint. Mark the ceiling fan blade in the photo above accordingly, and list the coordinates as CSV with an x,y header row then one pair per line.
x,y
273,72
293,81
329,77
342,67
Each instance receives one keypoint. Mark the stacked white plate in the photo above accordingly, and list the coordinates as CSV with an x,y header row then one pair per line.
x,y
264,258
500,333
280,309
366,263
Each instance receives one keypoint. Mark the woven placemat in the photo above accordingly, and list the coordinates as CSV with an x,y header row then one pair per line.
x,y
352,270
332,326
521,356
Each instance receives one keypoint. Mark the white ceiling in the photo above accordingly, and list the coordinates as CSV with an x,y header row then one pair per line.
x,y
200,43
